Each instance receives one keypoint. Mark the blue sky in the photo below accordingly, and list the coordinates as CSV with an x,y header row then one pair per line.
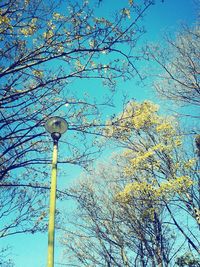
x,y
31,250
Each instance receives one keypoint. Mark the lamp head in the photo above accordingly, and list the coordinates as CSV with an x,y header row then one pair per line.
x,y
56,126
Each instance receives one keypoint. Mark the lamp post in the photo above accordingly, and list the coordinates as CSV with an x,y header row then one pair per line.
x,y
56,126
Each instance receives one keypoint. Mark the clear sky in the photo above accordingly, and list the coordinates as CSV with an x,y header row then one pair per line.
x,y
31,250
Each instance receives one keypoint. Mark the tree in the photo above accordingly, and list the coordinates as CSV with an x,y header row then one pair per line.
x,y
178,78
33,35
44,48
142,211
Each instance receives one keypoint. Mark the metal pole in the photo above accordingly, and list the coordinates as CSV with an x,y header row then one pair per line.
x,y
52,207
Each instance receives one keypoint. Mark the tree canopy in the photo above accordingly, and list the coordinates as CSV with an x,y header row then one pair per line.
x,y
141,207
178,59
131,210
45,47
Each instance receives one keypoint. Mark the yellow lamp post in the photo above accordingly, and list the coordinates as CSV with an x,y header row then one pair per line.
x,y
56,126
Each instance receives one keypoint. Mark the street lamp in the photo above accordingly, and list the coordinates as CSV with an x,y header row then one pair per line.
x,y
56,126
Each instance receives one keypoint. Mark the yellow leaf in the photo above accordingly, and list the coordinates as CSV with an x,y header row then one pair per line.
x,y
126,12
38,73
